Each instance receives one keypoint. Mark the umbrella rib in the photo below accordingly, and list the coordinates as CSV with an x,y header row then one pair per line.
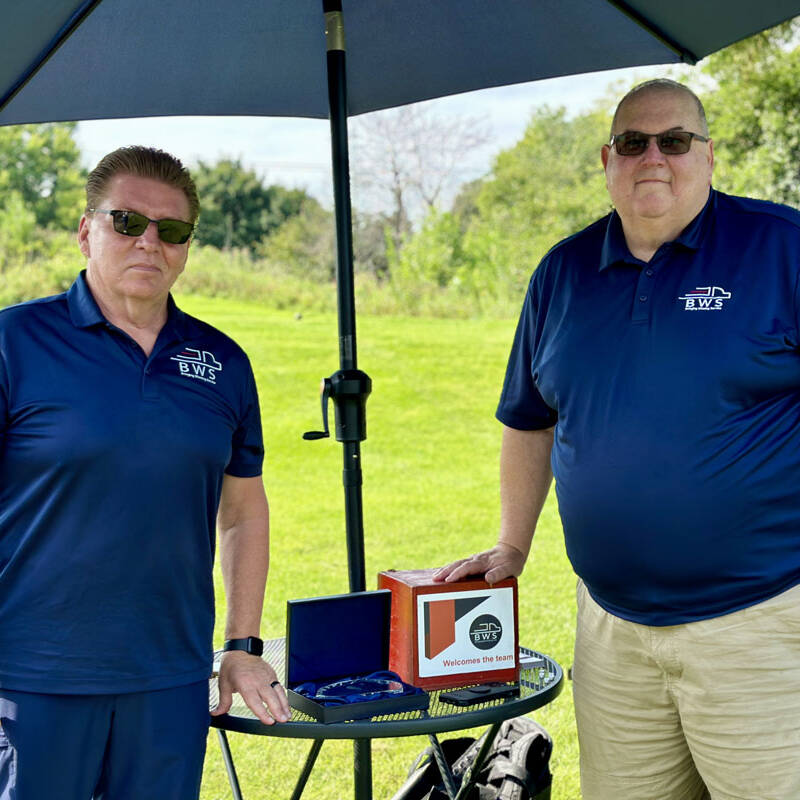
x,y
687,56
67,29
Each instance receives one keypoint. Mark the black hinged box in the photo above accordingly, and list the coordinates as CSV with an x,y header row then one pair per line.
x,y
338,637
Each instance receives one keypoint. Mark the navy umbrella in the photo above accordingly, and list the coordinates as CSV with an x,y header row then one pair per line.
x,y
94,59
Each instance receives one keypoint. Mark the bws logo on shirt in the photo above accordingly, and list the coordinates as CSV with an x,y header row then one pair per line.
x,y
198,364
705,298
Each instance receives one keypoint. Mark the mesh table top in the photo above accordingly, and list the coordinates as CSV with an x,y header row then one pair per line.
x,y
538,686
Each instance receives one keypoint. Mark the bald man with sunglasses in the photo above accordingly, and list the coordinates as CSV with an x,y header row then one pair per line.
x,y
655,373
129,432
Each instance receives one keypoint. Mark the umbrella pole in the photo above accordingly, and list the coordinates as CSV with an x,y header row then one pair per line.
x,y
349,387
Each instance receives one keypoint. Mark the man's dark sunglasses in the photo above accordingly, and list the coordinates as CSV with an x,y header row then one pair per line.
x,y
670,143
132,223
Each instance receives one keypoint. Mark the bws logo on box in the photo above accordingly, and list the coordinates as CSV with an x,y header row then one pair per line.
x,y
485,632
198,364
705,298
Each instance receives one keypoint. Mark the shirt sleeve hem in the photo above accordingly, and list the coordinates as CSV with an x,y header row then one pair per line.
x,y
521,423
243,471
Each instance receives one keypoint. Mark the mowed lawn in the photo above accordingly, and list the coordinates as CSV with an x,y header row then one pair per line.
x,y
430,492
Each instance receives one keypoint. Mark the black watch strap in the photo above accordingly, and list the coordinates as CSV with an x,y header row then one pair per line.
x,y
252,645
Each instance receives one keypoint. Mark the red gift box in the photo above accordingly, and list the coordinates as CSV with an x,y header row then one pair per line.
x,y
451,634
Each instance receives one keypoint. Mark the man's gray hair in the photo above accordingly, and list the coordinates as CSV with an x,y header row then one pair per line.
x,y
663,85
142,162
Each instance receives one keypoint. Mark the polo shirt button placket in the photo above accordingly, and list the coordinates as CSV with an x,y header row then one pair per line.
x,y
644,288
149,391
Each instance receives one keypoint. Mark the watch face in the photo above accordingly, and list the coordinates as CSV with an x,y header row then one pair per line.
x,y
255,646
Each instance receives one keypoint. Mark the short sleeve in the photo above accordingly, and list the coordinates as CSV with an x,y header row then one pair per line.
x,y
247,452
521,406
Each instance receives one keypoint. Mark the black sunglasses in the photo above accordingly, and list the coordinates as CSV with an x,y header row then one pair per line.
x,y
670,143
132,223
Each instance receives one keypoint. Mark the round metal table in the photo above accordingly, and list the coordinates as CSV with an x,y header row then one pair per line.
x,y
539,685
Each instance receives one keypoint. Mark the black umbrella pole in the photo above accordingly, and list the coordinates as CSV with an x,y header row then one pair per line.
x,y
337,99
349,387
354,518
353,385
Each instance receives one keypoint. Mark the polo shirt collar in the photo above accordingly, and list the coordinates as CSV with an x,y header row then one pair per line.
x,y
615,249
84,311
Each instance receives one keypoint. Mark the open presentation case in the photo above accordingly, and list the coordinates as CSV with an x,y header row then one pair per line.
x,y
337,658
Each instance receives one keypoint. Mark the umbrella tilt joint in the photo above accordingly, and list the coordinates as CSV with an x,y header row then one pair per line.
x,y
349,390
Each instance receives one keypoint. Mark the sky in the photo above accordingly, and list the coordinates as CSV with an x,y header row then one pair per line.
x,y
296,152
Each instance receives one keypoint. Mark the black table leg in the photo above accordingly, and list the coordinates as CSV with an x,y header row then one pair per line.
x,y
444,768
311,759
228,759
362,769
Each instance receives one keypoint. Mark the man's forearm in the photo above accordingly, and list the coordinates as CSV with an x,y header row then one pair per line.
x,y
243,522
244,568
525,478
244,554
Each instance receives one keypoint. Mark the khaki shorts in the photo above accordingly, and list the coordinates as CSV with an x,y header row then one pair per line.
x,y
684,712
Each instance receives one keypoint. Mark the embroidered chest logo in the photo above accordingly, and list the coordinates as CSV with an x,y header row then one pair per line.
x,y
705,298
199,364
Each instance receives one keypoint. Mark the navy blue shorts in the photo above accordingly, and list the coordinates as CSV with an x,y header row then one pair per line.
x,y
136,746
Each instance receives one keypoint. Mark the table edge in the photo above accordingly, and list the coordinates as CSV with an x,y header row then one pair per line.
x,y
369,729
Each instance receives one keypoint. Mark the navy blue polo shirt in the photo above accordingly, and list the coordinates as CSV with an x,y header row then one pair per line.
x,y
674,388
111,466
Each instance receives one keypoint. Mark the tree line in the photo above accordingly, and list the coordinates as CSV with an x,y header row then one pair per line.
x,y
481,247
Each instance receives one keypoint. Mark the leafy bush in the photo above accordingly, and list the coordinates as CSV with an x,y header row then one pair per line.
x,y
25,279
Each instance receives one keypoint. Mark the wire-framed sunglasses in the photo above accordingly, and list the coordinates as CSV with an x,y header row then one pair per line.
x,y
132,223
670,143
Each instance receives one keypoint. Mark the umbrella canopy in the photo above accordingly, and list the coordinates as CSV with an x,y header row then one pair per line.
x,y
95,59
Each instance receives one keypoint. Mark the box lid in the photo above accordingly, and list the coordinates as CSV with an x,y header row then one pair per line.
x,y
337,636
423,578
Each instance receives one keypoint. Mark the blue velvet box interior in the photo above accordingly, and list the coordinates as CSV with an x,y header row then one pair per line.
x,y
334,638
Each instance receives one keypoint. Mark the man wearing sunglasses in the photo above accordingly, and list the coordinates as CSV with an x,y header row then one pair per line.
x,y
128,432
656,374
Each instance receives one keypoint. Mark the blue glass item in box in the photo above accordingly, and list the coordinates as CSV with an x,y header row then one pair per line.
x,y
337,653
375,686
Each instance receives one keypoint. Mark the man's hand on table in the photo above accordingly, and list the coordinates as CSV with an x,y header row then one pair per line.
x,y
253,679
501,561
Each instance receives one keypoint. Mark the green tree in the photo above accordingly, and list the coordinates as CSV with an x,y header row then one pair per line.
x,y
305,244
17,229
237,209
546,187
41,164
370,233
433,255
753,109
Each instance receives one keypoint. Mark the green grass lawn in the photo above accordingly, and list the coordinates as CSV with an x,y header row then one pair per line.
x,y
430,492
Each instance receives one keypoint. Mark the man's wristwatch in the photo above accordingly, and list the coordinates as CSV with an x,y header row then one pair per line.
x,y
252,645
